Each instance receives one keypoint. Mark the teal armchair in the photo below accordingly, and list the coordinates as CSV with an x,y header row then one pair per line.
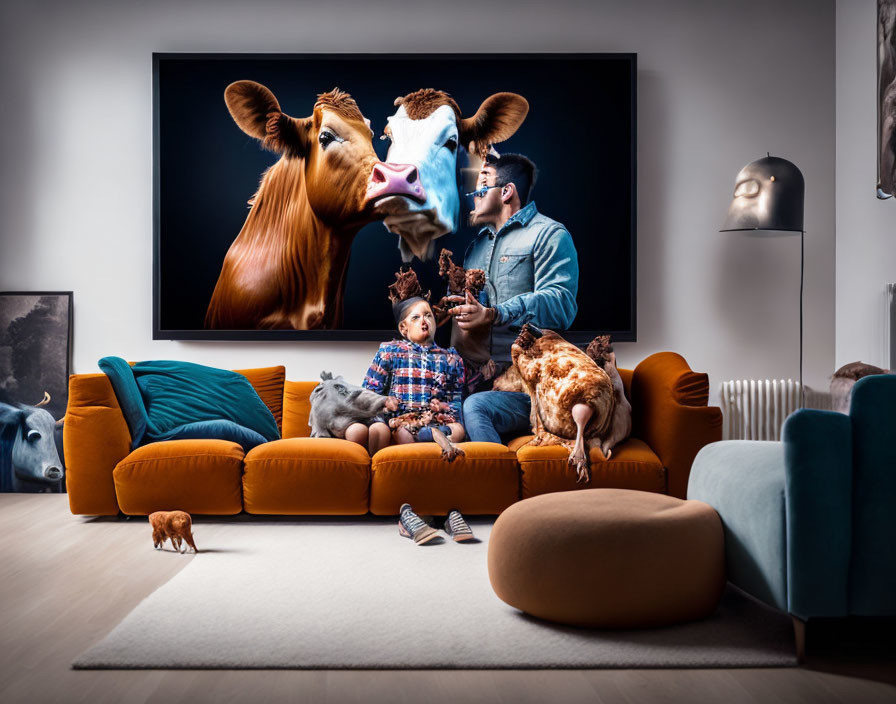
x,y
810,522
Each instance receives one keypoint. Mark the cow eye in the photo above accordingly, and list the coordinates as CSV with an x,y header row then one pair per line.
x,y
451,144
326,138
33,436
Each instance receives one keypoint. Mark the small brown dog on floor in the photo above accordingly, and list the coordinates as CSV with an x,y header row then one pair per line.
x,y
173,525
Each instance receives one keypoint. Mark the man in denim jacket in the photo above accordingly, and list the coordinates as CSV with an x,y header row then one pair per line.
x,y
532,275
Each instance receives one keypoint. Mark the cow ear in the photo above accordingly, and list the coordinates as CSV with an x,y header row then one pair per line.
x,y
257,113
499,116
10,415
250,104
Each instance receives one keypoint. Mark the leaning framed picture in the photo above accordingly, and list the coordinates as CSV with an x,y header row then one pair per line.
x,y
290,188
35,362
886,95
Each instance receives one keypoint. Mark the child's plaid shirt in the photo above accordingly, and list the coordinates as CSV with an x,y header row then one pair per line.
x,y
415,374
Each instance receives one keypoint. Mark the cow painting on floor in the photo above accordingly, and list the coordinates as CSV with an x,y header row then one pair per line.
x,y
35,363
29,461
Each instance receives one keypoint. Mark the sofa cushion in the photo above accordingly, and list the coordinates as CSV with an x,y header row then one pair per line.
x,y
174,400
483,481
196,476
307,476
268,384
297,408
632,465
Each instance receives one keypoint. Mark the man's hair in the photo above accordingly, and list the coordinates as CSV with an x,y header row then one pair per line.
x,y
516,169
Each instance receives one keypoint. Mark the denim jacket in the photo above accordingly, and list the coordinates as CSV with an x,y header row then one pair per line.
x,y
532,275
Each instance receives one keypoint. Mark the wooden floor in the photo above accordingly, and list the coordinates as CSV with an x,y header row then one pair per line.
x,y
66,581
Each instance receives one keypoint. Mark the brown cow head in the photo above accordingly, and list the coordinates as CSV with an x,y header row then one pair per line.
x,y
426,131
335,143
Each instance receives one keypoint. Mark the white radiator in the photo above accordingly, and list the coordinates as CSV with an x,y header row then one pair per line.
x,y
755,409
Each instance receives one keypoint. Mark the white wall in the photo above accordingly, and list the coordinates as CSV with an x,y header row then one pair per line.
x,y
866,226
720,83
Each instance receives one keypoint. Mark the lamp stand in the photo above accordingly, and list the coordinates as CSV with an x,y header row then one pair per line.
x,y
802,276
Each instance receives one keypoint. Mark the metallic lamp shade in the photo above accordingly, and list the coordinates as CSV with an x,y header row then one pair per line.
x,y
768,195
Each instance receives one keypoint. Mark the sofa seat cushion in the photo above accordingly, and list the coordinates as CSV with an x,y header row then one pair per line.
x,y
196,476
485,480
307,476
632,465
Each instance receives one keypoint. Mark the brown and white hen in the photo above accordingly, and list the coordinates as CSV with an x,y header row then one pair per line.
x,y
572,398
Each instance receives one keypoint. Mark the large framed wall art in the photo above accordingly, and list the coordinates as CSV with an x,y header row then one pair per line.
x,y
289,189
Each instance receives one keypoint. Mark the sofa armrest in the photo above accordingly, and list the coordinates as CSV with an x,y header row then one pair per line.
x,y
670,414
743,480
786,510
95,438
818,497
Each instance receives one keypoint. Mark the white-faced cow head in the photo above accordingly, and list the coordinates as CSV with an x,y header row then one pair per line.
x,y
427,131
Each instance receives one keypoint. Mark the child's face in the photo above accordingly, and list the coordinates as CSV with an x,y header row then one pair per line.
x,y
419,325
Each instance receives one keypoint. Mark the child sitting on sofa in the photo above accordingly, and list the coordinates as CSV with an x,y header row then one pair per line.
x,y
423,383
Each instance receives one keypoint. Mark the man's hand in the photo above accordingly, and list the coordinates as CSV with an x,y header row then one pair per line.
x,y
392,404
471,314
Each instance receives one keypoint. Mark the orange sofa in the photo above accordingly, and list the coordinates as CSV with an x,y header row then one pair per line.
x,y
300,475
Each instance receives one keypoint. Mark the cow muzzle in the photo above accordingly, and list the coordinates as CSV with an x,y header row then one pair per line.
x,y
53,474
395,180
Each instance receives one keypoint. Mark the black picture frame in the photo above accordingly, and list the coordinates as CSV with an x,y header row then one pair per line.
x,y
886,99
626,330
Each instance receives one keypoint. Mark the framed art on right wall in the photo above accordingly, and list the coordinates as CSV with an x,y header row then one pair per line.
x,y
886,87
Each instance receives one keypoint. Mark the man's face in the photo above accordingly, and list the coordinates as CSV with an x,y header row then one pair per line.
x,y
487,208
419,324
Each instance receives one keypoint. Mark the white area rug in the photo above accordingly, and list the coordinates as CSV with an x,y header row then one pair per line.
x,y
327,594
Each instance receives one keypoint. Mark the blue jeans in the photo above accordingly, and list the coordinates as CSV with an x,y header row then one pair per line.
x,y
490,414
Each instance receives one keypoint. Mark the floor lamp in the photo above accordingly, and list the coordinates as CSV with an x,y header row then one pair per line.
x,y
768,196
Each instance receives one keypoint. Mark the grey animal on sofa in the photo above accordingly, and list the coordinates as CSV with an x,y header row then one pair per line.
x,y
336,404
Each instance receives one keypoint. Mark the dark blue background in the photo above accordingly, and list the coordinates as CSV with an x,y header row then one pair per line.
x,y
578,132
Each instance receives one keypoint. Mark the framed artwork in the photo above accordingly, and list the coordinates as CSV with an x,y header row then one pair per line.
x,y
260,233
886,86
35,362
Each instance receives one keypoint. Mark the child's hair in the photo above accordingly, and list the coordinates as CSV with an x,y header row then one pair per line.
x,y
405,292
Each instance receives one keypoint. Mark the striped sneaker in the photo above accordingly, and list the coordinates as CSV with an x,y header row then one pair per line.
x,y
410,525
457,528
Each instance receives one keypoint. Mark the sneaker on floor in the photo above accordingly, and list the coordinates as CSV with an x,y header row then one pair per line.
x,y
457,528
410,525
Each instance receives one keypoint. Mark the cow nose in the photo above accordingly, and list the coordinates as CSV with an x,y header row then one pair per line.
x,y
395,180
53,473
411,174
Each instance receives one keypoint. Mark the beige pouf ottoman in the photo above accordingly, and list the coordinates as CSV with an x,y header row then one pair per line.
x,y
609,558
